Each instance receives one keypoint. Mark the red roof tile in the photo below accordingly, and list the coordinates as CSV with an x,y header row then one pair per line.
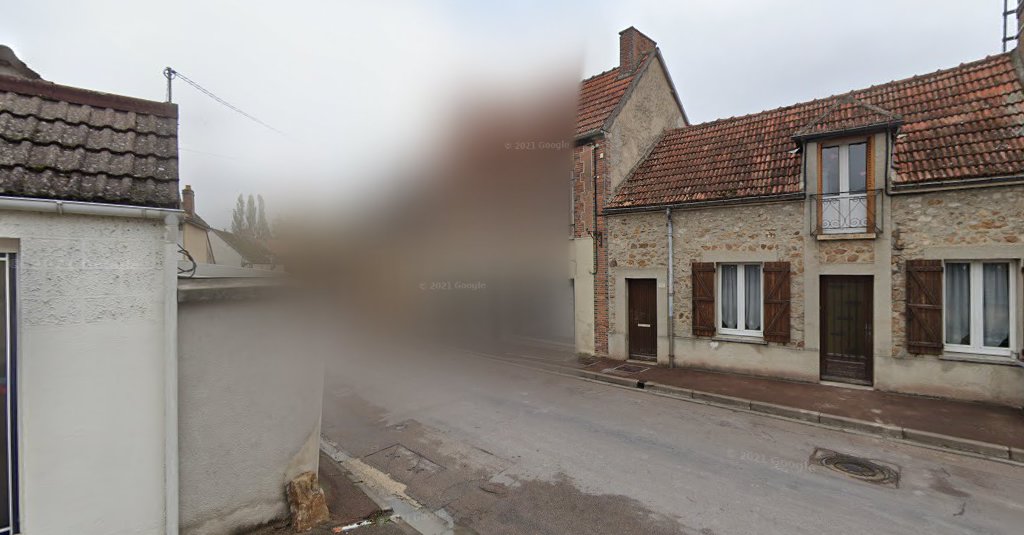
x,y
964,122
599,95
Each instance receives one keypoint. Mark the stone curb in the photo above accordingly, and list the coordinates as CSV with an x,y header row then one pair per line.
x,y
947,442
787,412
944,441
864,426
934,440
603,377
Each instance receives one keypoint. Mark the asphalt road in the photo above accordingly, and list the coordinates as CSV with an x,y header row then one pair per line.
x,y
502,449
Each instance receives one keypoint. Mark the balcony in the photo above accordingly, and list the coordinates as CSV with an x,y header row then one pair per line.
x,y
847,214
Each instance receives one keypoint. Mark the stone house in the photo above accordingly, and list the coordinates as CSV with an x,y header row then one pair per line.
x,y
872,238
620,114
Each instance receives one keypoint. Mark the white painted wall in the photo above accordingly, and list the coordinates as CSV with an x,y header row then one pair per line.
x,y
251,375
91,381
223,253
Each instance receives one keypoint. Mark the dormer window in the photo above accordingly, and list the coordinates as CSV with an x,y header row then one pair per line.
x,y
844,200
846,196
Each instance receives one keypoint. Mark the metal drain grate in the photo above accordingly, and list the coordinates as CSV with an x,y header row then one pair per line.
x,y
866,470
627,369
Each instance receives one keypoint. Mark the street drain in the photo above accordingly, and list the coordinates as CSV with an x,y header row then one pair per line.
x,y
627,369
866,470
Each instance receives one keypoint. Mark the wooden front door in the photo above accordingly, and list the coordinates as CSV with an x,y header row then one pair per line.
x,y
846,340
643,318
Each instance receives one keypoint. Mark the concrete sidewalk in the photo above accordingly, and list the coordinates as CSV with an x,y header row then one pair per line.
x,y
990,430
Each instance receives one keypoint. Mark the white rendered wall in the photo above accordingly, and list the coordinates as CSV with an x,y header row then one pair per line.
x,y
91,384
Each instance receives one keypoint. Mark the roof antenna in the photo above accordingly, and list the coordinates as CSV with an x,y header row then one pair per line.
x,y
1007,37
169,74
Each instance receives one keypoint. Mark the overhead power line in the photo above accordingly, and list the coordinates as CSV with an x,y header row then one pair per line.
x,y
171,74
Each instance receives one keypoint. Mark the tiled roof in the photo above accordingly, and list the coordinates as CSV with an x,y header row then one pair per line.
x,y
59,142
845,114
251,251
599,95
964,122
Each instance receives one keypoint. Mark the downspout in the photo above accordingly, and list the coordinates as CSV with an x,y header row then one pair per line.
x,y
593,230
171,374
671,294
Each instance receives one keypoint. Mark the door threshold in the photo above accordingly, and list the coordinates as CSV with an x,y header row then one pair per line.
x,y
846,385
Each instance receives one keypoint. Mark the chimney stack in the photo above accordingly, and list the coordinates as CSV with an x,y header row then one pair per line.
x,y
188,200
633,49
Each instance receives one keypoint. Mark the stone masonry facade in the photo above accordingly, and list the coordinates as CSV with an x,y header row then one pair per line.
x,y
768,232
940,224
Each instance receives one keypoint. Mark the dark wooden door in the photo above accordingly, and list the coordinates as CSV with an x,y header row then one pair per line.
x,y
846,340
643,318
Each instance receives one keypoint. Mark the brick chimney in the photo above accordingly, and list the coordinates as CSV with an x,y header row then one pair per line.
x,y
633,48
188,200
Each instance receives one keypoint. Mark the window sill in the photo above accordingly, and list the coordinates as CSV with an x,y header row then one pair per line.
x,y
739,339
847,236
979,359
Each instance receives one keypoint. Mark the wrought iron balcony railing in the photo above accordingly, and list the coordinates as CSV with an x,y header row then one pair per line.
x,y
848,212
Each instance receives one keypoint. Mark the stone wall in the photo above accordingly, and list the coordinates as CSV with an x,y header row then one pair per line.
x,y
846,252
963,224
635,241
757,233
752,233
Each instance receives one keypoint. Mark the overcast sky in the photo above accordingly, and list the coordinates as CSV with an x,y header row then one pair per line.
x,y
356,86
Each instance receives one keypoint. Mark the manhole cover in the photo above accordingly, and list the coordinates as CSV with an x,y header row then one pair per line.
x,y
627,369
867,470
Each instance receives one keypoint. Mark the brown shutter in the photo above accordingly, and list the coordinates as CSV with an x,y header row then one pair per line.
x,y
703,299
869,183
776,302
924,306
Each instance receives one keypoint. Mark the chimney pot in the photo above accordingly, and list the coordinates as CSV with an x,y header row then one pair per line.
x,y
188,200
633,49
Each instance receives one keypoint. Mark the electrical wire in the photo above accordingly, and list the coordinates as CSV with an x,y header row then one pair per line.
x,y
171,74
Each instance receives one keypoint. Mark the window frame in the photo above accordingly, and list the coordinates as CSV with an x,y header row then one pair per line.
x,y
741,313
8,278
977,328
845,196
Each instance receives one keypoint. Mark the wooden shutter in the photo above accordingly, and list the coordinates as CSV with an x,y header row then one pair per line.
x,y
924,306
869,182
776,302
703,299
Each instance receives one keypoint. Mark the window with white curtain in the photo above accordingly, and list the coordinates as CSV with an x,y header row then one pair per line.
x,y
978,316
739,299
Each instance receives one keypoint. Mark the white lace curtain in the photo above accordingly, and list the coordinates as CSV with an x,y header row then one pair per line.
x,y
730,296
958,304
996,305
752,296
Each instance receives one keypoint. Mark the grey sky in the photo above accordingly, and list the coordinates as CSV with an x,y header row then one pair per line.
x,y
358,85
